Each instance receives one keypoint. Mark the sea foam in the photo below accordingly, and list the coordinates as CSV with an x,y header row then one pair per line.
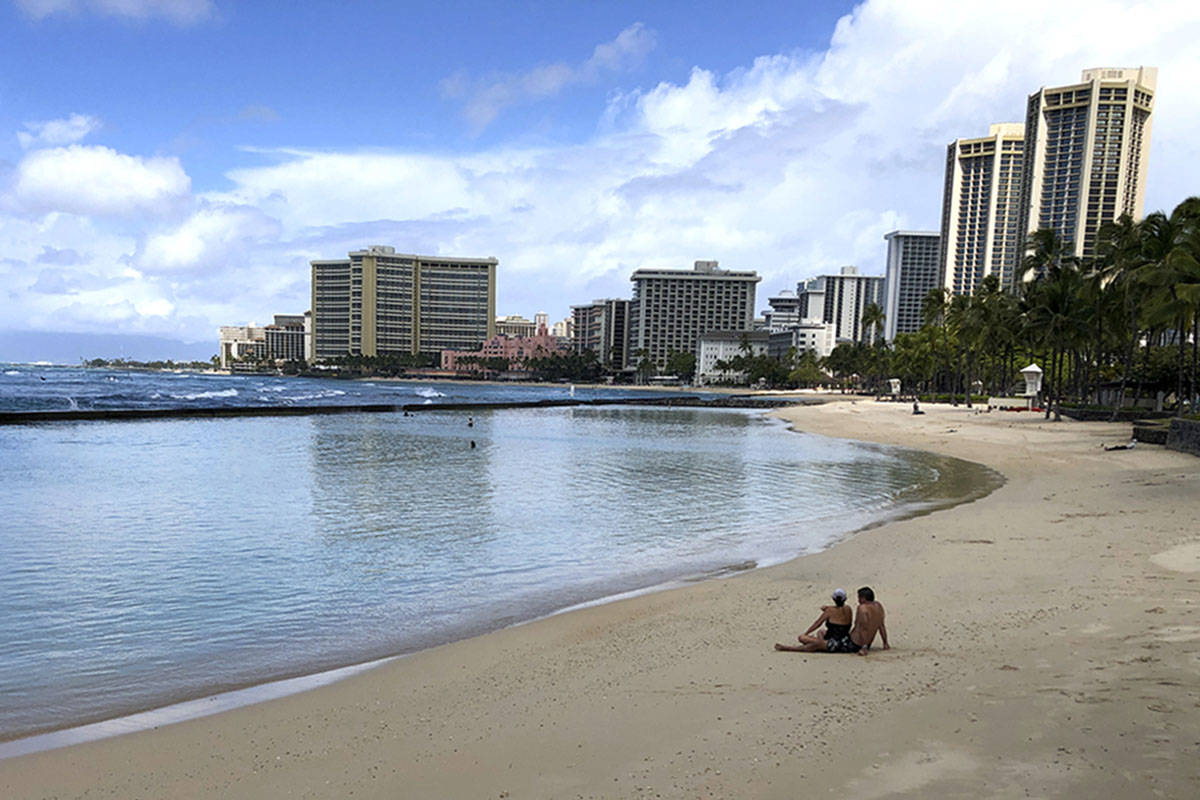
x,y
206,395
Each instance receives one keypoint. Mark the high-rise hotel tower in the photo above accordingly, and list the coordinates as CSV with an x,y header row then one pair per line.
x,y
672,308
378,302
912,270
1086,148
981,214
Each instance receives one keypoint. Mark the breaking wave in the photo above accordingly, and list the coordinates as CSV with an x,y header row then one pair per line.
x,y
206,395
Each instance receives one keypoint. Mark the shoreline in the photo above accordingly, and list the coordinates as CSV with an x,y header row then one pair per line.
x,y
909,503
1070,596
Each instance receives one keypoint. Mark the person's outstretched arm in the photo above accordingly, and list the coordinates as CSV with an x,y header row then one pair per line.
x,y
817,624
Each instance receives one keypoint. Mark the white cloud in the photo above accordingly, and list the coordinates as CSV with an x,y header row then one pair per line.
x,y
178,12
57,131
485,99
795,164
98,180
213,238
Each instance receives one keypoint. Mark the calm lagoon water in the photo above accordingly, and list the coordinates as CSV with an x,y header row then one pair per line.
x,y
150,562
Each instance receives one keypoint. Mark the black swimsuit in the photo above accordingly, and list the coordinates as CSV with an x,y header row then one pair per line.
x,y
837,638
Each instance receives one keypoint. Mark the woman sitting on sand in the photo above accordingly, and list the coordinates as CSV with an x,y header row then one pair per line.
x,y
837,619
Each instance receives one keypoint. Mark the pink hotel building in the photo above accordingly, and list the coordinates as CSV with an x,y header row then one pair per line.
x,y
514,349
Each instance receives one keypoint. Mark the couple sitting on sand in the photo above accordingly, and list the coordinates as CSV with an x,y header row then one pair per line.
x,y
840,636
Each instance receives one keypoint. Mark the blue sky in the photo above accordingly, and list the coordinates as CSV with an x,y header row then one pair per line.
x,y
168,166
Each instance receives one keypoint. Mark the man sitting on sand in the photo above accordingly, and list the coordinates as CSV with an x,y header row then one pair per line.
x,y
868,621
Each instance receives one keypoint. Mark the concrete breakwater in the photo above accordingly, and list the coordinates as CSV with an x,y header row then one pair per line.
x,y
95,414
1184,436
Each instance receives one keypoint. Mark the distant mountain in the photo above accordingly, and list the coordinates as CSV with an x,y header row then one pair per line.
x,y
70,348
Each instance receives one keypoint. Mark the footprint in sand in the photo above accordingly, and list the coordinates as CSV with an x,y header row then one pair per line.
x,y
1182,558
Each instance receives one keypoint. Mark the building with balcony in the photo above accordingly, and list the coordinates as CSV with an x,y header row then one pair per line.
x,y
1086,152
602,327
715,347
377,302
912,270
672,309
981,209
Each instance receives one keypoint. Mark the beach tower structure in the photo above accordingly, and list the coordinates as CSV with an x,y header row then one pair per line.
x,y
1033,380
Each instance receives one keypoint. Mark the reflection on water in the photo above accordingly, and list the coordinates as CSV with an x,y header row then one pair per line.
x,y
153,561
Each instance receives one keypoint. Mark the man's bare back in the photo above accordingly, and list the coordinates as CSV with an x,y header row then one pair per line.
x,y
868,621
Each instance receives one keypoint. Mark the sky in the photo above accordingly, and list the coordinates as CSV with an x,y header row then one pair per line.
x,y
169,166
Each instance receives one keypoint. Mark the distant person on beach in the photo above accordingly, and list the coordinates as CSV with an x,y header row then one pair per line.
x,y
868,621
836,619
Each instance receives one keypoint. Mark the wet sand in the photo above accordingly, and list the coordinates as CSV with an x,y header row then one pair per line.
x,y
1046,642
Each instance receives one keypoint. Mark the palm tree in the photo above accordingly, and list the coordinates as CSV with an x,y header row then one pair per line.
x,y
1172,273
1121,245
933,313
1045,253
872,322
1057,318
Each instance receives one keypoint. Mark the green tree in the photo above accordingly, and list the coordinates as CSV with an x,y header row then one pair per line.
x,y
682,365
1172,273
806,371
872,322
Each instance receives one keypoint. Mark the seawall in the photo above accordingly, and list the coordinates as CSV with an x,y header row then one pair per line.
x,y
78,415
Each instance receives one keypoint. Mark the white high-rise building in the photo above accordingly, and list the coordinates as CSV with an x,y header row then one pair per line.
x,y
673,308
840,300
1086,148
912,270
981,208
784,311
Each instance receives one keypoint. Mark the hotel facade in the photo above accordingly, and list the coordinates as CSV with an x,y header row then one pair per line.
x,y
672,308
982,231
839,300
602,327
379,302
912,270
1086,151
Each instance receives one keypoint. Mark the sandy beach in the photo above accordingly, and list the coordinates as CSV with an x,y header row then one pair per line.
x,y
1045,643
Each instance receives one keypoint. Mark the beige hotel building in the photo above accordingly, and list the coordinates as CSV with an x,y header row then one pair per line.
x,y
1086,148
981,213
377,301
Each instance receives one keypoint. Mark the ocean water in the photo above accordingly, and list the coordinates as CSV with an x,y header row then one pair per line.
x,y
27,387
155,561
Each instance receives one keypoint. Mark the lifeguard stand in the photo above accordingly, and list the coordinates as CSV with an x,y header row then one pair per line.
x,y
1033,387
1033,380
